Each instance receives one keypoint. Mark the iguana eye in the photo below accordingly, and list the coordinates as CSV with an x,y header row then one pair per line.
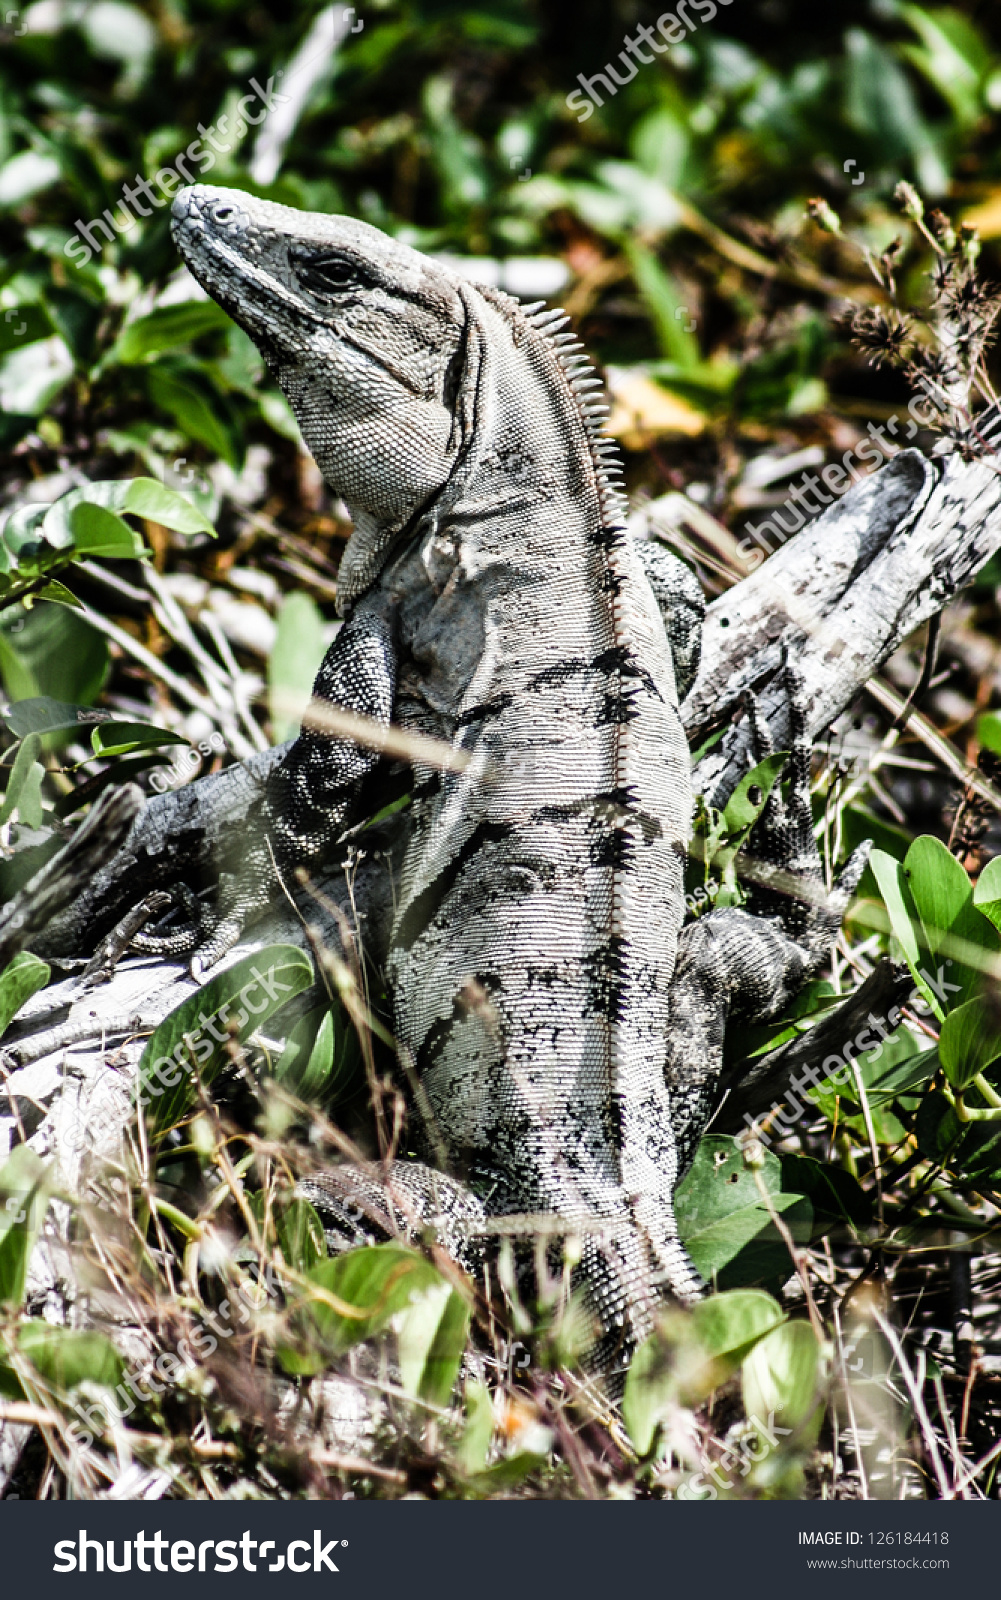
x,y
329,274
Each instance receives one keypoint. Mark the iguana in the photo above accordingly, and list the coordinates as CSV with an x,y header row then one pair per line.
x,y
559,1030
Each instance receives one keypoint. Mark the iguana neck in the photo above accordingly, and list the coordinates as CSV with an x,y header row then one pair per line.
x,y
554,476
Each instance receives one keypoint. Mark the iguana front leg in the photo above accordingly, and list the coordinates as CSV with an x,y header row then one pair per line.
x,y
316,790
737,967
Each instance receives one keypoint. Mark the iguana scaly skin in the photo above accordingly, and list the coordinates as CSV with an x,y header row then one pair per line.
x,y
493,601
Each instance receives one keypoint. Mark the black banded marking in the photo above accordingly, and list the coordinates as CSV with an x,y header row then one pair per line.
x,y
424,907
487,708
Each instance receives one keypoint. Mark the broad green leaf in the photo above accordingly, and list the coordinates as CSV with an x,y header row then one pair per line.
x,y
21,978
893,886
781,1375
479,1430
293,664
372,1285
321,1055
166,328
189,408
747,802
943,895
989,732
24,786
968,1043
99,532
26,1187
690,1356
67,1357
108,735
22,325
834,1194
297,1228
145,497
987,894
901,1069
651,1387
139,497
232,1005
431,1339
723,1222
726,1325
40,714
25,542
58,654
937,1127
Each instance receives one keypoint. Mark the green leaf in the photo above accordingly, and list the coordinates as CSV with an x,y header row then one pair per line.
x,y
968,1043
943,895
479,1430
748,800
191,411
294,662
40,714
67,1357
145,497
22,325
122,738
321,1056
664,303
297,1229
166,328
781,1375
893,886
24,790
58,654
987,894
21,978
836,1197
108,736
726,1325
372,1285
690,1356
99,532
937,1127
431,1339
138,497
197,1032
723,1222
31,548
25,1190
989,732
651,1386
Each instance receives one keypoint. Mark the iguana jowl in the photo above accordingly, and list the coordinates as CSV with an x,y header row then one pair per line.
x,y
493,600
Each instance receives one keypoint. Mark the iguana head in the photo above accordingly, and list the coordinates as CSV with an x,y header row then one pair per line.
x,y
369,340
